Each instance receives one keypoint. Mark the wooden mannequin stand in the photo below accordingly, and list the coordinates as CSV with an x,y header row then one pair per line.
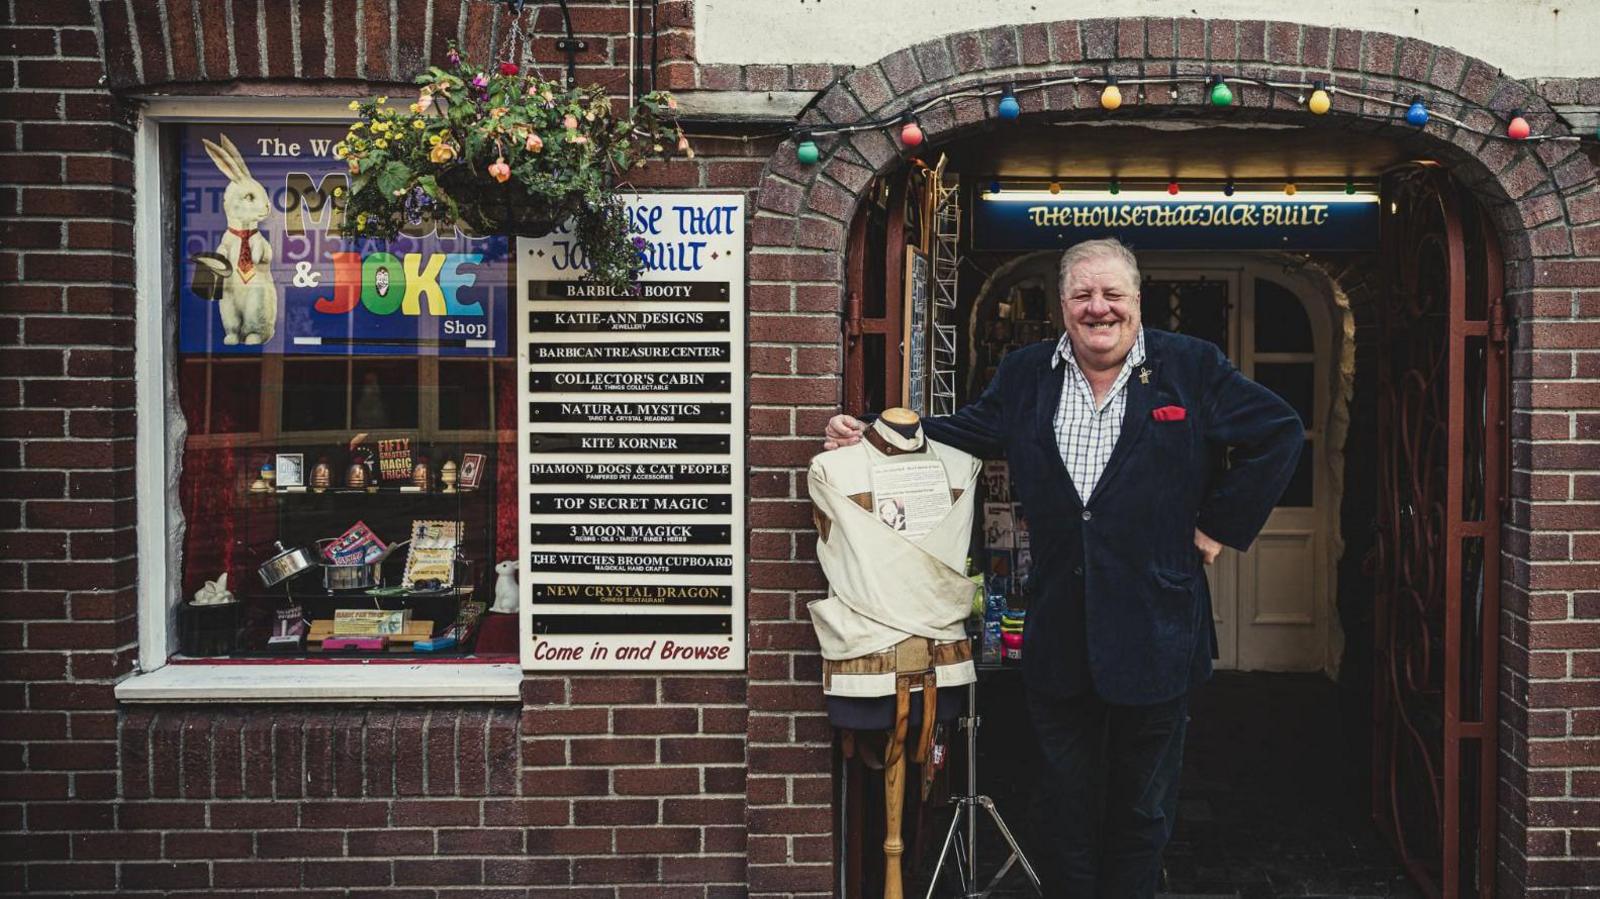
x,y
898,595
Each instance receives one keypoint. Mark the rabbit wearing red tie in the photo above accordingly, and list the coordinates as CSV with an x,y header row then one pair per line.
x,y
249,300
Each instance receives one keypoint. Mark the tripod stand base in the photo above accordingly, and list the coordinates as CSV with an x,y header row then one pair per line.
x,y
967,808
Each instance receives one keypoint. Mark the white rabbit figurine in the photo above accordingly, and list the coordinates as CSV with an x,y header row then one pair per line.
x,y
249,302
506,597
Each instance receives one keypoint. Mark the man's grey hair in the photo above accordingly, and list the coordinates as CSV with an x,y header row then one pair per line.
x,y
1099,248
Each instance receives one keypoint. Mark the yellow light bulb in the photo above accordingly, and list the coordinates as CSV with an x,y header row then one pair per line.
x,y
1319,102
1111,97
1288,189
1055,187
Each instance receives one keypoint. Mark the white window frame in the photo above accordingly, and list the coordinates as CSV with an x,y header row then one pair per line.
x,y
155,680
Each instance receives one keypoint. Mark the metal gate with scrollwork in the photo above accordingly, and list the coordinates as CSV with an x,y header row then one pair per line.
x,y
1441,433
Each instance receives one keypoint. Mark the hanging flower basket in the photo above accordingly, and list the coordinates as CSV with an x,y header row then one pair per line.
x,y
500,151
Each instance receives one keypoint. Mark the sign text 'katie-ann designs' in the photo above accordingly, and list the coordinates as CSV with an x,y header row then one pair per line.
x,y
1035,220
619,442
635,594
636,398
629,473
617,321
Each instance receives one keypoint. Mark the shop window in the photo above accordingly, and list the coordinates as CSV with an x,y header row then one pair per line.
x,y
348,465
1282,325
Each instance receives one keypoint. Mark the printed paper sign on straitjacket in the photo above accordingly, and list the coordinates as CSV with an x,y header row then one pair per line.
x,y
631,447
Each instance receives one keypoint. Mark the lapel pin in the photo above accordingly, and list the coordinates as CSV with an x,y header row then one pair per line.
x,y
1144,375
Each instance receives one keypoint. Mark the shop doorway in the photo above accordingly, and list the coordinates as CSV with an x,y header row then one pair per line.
x,y
1275,320
1377,572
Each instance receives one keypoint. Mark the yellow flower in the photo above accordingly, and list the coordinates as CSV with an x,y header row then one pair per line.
x,y
338,191
418,124
498,111
361,222
354,105
433,139
340,151
416,109
381,144
382,100
441,153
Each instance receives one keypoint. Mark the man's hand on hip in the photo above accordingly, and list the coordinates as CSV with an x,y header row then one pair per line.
x,y
1209,548
842,430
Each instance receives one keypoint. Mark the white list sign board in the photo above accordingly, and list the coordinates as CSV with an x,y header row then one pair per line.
x,y
631,447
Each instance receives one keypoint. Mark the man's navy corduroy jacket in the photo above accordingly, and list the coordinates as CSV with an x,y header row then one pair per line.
x,y
1120,603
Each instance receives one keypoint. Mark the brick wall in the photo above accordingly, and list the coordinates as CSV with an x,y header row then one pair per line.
x,y
628,786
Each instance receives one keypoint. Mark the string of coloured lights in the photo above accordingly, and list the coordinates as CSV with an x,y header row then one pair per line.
x,y
1316,96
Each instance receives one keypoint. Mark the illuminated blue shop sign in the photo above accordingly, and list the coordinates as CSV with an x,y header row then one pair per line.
x,y
1149,220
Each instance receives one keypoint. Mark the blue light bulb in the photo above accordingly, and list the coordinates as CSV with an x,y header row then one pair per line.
x,y
1417,114
1009,107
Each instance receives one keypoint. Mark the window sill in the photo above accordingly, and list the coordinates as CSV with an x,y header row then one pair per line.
x,y
270,683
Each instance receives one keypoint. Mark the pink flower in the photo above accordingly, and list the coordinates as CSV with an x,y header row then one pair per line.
x,y
570,122
480,80
500,171
509,69
535,143
454,56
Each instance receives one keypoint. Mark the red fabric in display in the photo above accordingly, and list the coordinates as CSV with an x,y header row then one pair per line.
x,y
505,469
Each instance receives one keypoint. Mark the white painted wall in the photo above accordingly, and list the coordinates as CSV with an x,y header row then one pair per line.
x,y
1525,38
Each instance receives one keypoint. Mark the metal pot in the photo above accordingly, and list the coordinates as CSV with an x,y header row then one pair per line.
x,y
286,564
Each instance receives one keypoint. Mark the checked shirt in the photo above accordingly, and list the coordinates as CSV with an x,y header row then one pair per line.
x,y
1086,434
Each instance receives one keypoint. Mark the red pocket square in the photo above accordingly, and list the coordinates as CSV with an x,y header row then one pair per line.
x,y
1170,413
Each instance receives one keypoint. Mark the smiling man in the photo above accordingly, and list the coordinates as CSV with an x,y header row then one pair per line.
x,y
1116,438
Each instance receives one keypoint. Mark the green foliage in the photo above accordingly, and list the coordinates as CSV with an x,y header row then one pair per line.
x,y
497,151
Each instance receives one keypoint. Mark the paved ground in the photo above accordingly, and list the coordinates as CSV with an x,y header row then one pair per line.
x,y
1269,807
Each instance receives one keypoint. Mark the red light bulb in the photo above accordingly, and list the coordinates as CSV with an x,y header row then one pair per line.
x,y
1517,128
911,134
1172,188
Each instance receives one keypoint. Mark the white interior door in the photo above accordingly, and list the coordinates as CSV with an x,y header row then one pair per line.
x,y
1269,604
1282,581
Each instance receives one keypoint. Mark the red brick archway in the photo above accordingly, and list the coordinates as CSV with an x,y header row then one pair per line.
x,y
1542,198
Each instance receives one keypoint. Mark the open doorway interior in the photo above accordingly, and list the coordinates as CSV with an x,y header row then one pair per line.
x,y
1352,697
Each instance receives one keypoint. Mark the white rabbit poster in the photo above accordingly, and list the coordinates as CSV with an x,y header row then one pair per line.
x,y
266,271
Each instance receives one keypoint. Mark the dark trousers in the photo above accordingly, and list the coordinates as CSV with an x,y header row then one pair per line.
x,y
1109,793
